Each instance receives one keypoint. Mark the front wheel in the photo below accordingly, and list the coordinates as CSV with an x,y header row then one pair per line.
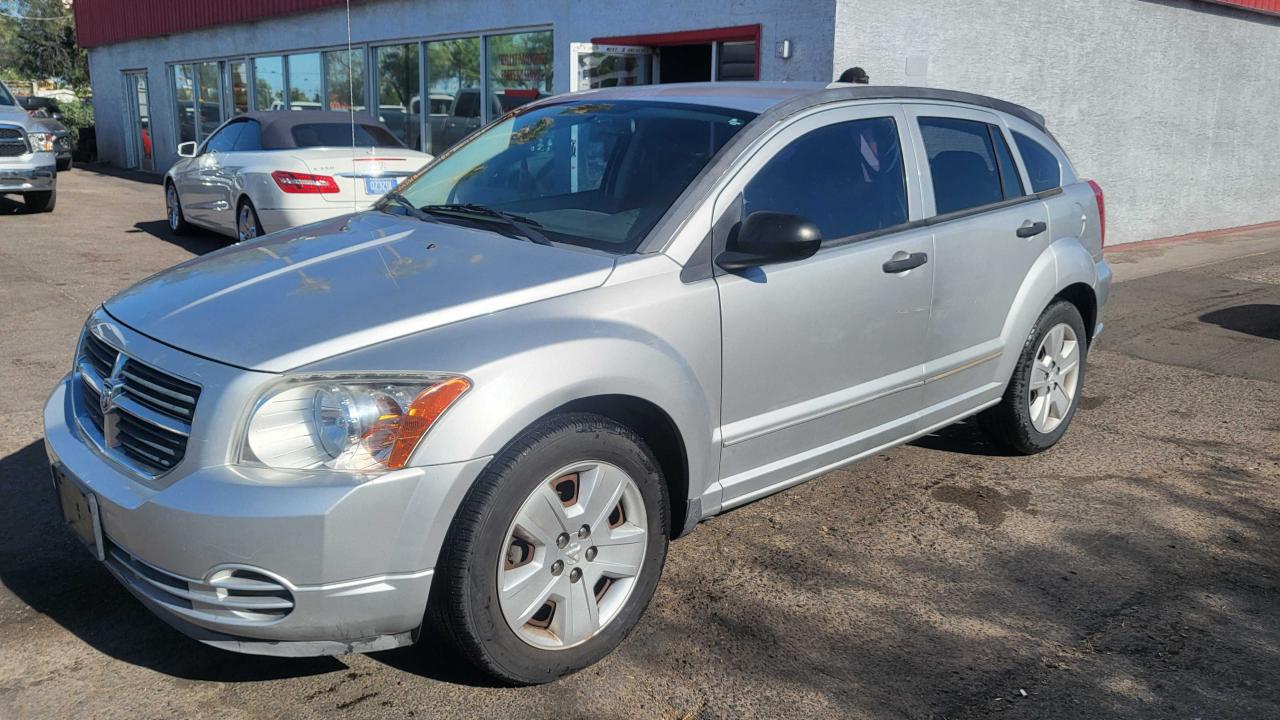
x,y
173,211
1047,382
65,164
555,552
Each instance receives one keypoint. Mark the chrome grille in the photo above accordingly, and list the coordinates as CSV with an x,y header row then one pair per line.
x,y
233,594
147,418
13,141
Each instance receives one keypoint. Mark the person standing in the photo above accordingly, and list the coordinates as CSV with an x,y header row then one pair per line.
x,y
855,75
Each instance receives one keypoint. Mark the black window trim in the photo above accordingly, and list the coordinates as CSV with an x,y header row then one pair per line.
x,y
992,130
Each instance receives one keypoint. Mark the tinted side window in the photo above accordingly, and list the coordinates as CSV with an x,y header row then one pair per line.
x,y
1010,183
250,137
225,139
1042,165
846,178
962,162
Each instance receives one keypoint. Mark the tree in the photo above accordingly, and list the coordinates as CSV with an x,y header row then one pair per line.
x,y
38,41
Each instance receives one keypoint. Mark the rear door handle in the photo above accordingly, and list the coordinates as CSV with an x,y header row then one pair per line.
x,y
902,262
1032,229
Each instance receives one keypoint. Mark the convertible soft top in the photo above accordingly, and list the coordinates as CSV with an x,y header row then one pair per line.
x,y
278,125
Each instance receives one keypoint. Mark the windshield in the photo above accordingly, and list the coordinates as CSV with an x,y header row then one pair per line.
x,y
594,174
5,97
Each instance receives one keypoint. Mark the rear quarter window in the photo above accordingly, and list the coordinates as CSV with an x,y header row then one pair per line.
x,y
1042,165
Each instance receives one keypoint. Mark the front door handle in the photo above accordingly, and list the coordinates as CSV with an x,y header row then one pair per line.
x,y
902,262
1031,229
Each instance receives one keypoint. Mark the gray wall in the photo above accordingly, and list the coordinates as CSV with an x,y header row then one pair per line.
x,y
571,21
1171,106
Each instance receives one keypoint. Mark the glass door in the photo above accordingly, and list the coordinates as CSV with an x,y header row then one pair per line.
x,y
596,66
139,146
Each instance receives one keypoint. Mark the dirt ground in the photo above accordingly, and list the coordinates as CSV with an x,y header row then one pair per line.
x,y
1130,572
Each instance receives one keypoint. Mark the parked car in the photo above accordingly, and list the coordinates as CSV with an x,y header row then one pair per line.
x,y
266,171
46,111
28,156
463,116
488,403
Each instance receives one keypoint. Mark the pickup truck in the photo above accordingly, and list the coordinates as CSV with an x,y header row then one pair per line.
x,y
28,156
46,110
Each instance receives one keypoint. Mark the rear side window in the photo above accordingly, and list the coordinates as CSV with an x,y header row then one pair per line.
x,y
962,161
250,137
1042,165
846,178
339,135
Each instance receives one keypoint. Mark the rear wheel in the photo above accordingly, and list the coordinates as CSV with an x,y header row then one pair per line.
x,y
555,552
40,201
173,210
1045,390
247,225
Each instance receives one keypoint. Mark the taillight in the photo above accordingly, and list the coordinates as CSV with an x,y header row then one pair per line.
x,y
1102,211
292,182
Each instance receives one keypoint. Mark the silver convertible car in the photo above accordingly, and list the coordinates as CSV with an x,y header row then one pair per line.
x,y
477,414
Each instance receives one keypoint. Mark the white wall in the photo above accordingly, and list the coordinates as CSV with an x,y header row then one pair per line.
x,y
1173,106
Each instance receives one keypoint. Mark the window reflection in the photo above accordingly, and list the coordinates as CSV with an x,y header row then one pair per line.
x,y
453,88
209,83
519,68
184,97
304,82
344,78
399,104
268,83
237,77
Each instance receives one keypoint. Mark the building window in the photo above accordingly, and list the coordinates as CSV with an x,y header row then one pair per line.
x,y
399,101
519,67
453,76
344,79
237,87
268,83
304,82
184,94
209,89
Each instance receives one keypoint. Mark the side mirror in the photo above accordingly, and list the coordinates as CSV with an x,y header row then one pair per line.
x,y
770,237
187,149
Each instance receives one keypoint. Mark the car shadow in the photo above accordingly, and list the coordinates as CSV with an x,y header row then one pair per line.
x,y
115,172
199,242
963,438
1259,319
13,205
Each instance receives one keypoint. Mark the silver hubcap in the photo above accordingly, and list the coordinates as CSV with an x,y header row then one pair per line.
x,y
1055,378
247,225
171,204
572,555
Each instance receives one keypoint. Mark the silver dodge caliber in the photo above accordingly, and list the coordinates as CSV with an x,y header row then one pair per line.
x,y
484,407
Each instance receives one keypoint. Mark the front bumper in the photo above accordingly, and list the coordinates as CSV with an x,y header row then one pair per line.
x,y
28,178
244,564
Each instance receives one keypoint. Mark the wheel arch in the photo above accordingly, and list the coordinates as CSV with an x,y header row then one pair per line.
x,y
1085,301
659,431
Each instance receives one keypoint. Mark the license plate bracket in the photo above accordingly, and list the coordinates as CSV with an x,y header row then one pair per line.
x,y
380,185
80,510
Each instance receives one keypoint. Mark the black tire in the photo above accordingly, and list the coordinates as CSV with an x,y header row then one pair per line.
x,y
1010,423
65,165
465,607
246,203
40,202
178,226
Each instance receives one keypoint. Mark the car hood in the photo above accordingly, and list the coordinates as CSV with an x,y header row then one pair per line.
x,y
49,125
302,295
14,113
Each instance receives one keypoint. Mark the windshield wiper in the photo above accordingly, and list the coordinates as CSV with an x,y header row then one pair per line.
x,y
404,202
525,226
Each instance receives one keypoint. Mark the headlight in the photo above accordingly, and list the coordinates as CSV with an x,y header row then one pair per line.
x,y
40,141
363,425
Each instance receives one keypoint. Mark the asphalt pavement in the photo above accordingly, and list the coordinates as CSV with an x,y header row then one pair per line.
x,y
1131,572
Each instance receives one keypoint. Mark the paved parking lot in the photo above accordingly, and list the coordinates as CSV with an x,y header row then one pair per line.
x,y
1133,571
